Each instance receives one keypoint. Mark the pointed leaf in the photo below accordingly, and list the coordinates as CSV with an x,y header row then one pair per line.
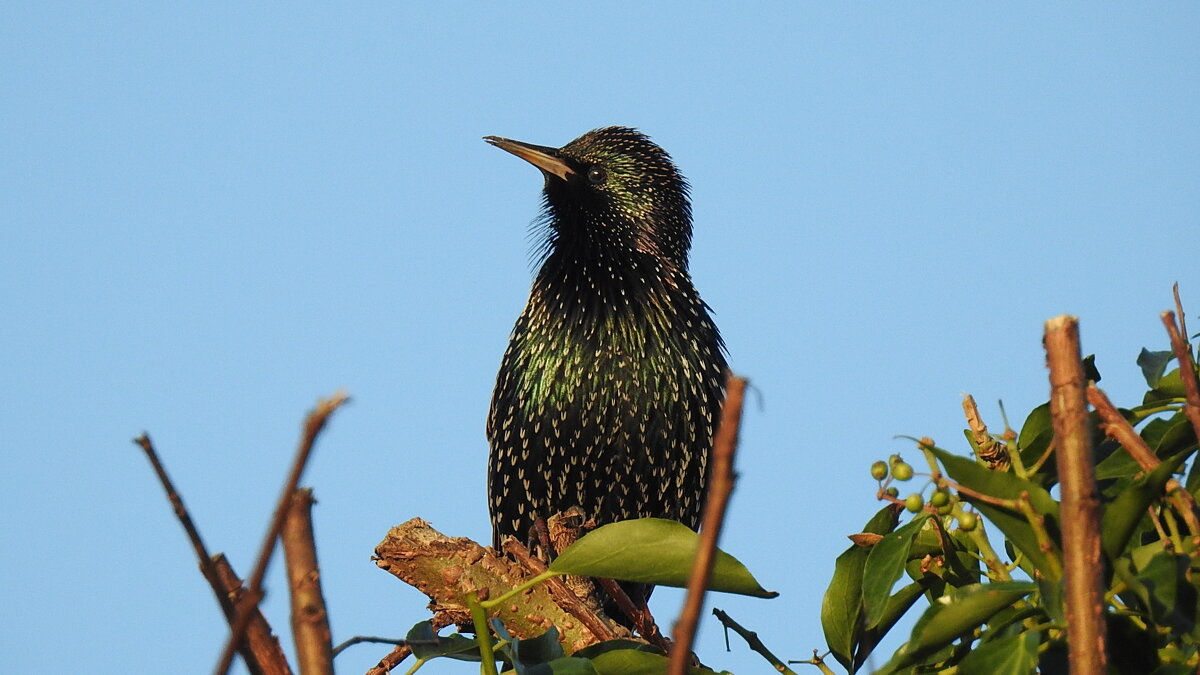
x,y
426,644
567,665
1153,365
1004,485
885,564
1122,515
1009,655
652,551
636,662
897,606
530,652
955,616
842,605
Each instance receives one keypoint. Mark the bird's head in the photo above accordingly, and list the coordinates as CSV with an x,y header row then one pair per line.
x,y
612,192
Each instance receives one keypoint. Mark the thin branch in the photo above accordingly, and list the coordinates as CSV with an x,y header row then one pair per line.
x,y
751,639
563,597
1116,427
387,663
310,618
1080,511
260,650
369,639
1179,310
267,656
720,486
312,427
1187,370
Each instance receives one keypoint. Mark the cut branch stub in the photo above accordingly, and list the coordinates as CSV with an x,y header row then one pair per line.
x,y
447,568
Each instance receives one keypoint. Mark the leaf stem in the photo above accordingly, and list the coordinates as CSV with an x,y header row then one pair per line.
x,y
495,602
483,636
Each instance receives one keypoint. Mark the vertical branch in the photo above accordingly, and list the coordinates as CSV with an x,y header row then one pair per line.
x,y
1080,514
312,427
719,487
310,619
266,655
1187,369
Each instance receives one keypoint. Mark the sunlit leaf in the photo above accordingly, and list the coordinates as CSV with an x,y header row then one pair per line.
x,y
1010,655
1004,485
841,608
1123,514
636,662
885,564
955,616
652,551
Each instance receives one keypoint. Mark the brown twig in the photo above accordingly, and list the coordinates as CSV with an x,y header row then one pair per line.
x,y
719,488
260,650
387,663
1187,371
1080,511
1179,310
563,597
310,619
312,427
1116,427
266,654
755,643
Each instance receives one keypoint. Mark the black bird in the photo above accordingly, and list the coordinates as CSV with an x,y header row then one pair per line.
x,y
611,388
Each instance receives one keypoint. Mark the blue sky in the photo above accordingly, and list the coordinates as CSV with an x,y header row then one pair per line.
x,y
213,215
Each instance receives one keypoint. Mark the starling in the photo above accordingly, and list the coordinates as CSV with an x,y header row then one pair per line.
x,y
611,388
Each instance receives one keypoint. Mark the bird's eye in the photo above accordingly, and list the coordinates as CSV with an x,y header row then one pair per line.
x,y
597,174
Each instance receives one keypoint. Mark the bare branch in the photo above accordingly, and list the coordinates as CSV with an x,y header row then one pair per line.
x,y
719,488
1187,370
260,650
310,619
312,427
1080,511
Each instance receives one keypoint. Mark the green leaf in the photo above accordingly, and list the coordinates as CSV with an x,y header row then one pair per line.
x,y
842,605
592,651
885,564
1177,438
1172,597
1011,655
957,615
897,606
636,662
532,651
1004,485
1169,387
567,665
1153,365
426,644
1035,436
652,551
1122,515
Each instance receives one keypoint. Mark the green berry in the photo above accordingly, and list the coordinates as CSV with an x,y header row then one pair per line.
x,y
939,498
894,459
902,471
914,502
892,492
968,521
879,470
